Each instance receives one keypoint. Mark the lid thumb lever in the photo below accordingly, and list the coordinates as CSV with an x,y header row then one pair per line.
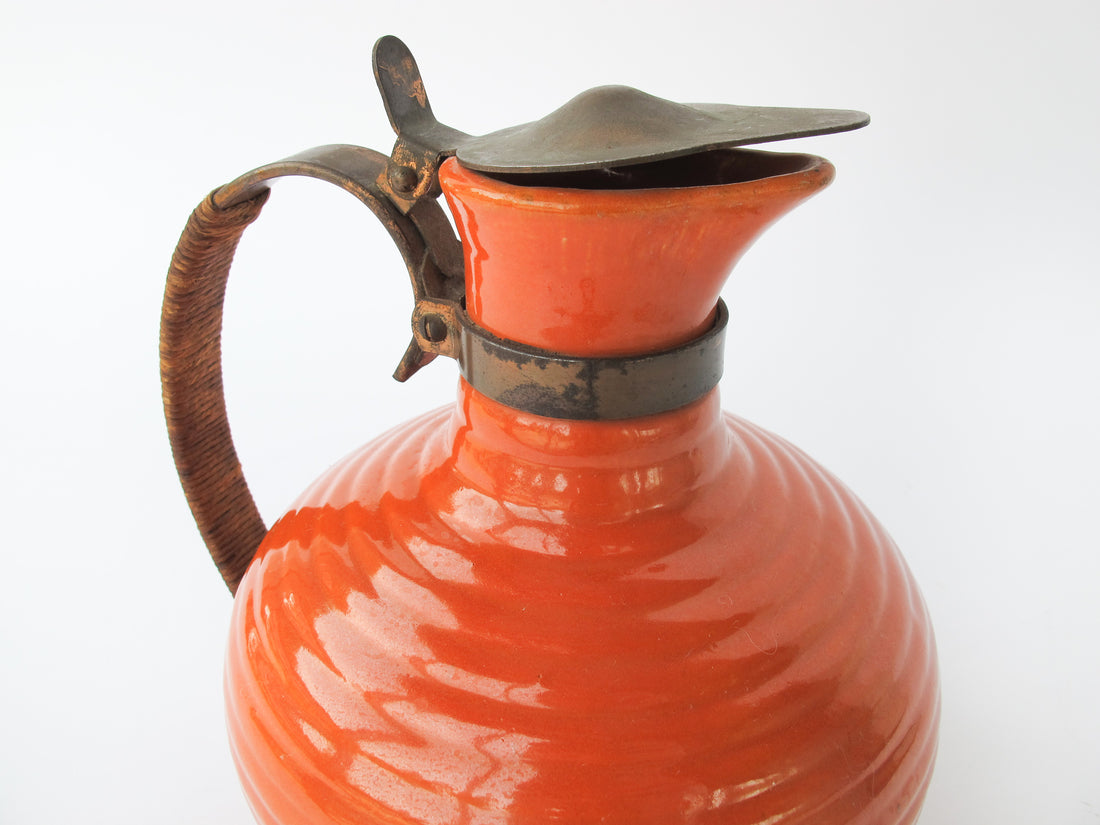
x,y
422,141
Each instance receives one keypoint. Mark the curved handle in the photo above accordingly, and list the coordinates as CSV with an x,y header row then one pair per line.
x,y
191,322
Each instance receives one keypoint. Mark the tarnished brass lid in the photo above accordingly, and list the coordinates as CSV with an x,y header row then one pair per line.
x,y
603,128
614,126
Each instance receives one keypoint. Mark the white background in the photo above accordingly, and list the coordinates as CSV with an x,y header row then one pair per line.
x,y
927,328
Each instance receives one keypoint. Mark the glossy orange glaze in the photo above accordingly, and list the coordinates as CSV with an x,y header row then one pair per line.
x,y
611,272
487,616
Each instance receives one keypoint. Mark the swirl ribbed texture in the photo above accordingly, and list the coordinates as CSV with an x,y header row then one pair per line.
x,y
485,617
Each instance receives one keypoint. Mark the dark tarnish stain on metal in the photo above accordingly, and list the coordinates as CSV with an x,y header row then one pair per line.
x,y
562,386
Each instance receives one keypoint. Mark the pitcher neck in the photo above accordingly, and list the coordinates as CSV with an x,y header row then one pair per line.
x,y
606,272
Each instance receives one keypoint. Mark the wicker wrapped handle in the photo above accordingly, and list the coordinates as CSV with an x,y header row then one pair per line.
x,y
191,382
191,324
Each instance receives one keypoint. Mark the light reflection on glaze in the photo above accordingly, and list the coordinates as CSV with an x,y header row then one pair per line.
x,y
639,641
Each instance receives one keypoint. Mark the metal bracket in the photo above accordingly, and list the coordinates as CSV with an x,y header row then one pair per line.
x,y
411,181
422,141
537,381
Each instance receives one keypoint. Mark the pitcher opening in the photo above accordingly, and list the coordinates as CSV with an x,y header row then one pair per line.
x,y
617,262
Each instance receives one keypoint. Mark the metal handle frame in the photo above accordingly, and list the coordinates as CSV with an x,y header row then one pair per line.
x,y
191,322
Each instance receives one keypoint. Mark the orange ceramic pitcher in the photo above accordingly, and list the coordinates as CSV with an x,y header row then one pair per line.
x,y
583,593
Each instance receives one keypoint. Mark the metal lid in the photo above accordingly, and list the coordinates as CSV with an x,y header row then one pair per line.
x,y
603,128
614,126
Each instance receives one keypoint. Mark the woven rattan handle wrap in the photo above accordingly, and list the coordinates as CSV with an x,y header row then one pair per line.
x,y
191,382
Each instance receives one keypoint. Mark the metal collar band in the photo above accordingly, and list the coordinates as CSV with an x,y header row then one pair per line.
x,y
561,386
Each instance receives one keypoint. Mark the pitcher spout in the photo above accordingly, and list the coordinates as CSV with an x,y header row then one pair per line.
x,y
621,261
